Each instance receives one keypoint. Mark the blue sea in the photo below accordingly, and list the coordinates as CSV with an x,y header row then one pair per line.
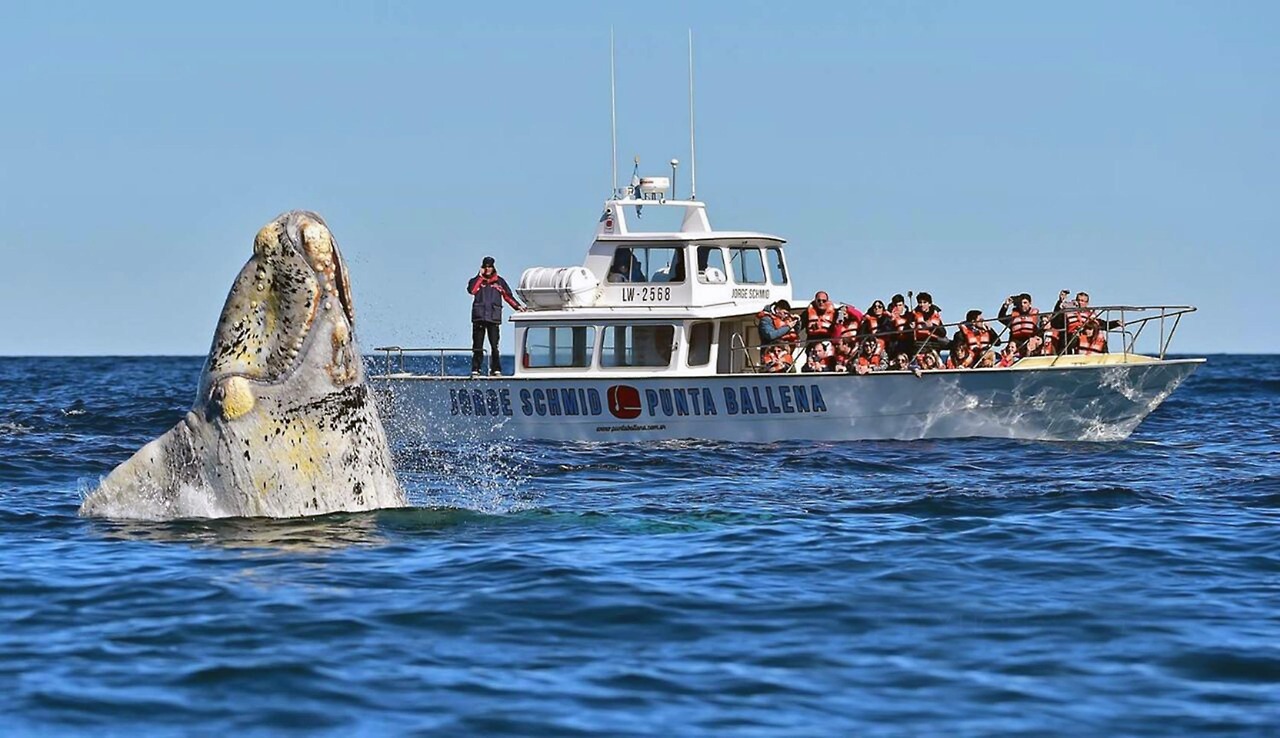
x,y
957,588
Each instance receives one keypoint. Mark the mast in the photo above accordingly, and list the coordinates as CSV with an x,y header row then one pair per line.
x,y
613,113
693,157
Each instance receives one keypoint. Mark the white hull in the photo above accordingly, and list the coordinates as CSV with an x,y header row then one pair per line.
x,y
1096,402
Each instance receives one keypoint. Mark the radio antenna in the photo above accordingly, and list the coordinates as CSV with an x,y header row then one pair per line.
x,y
613,111
693,157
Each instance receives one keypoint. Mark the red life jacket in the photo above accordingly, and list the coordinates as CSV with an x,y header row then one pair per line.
x,y
790,337
895,326
979,341
1095,345
819,324
821,356
924,325
1050,342
1023,325
844,357
868,362
1076,318
776,359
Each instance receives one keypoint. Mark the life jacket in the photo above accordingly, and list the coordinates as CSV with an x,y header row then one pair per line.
x,y
979,341
776,359
844,355
821,357
1050,345
819,324
1023,325
895,326
1076,318
871,363
790,337
924,324
1095,345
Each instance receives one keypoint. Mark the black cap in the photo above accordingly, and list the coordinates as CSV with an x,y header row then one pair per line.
x,y
487,261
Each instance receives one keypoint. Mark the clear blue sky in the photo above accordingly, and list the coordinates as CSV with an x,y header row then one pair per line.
x,y
968,149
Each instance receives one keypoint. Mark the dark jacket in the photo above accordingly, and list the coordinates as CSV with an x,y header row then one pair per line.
x,y
489,294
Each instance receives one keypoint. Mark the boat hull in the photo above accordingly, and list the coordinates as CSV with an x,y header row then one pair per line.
x,y
1095,402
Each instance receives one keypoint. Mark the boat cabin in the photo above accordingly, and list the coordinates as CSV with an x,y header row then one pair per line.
x,y
655,303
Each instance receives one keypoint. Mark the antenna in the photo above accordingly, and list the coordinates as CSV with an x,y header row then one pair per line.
x,y
693,158
613,112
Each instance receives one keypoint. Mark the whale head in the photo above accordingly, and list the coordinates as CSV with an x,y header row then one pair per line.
x,y
283,424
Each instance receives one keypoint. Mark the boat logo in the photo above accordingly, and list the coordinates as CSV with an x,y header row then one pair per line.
x,y
624,401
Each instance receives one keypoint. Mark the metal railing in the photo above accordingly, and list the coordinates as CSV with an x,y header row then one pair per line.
x,y
1165,316
396,354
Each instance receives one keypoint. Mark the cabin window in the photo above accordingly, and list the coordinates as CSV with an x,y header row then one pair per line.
x,y
777,269
711,265
559,346
700,335
748,268
637,345
647,264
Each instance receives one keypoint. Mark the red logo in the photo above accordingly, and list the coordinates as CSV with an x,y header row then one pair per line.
x,y
624,401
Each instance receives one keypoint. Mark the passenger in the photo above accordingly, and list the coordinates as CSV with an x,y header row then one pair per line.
x,y
926,324
847,319
1023,320
820,357
900,362
1071,316
776,358
870,356
846,355
975,332
1009,355
987,360
820,318
1038,346
895,328
1092,339
777,324
960,356
1049,342
870,325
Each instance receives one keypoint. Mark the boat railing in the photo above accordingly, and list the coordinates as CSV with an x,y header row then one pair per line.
x,y
394,356
1128,322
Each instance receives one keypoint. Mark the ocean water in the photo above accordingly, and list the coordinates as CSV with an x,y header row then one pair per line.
x,y
969,587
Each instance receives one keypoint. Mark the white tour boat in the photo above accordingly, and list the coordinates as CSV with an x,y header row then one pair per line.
x,y
655,336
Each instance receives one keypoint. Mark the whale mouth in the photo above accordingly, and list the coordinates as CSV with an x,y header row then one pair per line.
x,y
295,276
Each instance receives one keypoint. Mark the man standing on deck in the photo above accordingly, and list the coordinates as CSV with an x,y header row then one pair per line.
x,y
489,291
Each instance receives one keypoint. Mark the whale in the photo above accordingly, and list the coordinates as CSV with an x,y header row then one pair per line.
x,y
283,423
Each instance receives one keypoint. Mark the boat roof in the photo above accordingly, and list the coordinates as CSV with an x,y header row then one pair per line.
x,y
695,236
629,313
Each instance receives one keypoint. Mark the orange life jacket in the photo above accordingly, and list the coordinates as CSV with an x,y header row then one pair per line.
x,y
821,356
924,325
979,341
1023,325
870,362
895,326
1095,345
1076,318
776,359
819,324
790,337
1050,342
